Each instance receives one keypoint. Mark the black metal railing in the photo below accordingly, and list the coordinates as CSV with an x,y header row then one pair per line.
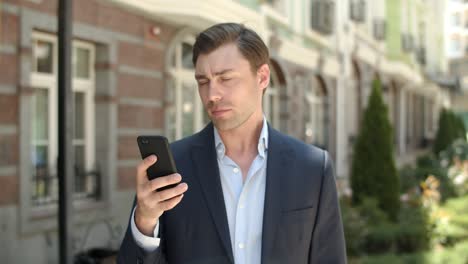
x,y
45,186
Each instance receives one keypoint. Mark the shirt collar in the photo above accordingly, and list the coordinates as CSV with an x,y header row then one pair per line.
x,y
262,142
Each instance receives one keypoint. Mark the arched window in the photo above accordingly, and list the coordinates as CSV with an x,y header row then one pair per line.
x,y
275,99
315,109
271,100
184,112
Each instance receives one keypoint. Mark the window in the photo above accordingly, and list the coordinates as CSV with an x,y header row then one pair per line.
x,y
357,10
44,145
271,100
314,115
456,19
185,114
322,16
455,44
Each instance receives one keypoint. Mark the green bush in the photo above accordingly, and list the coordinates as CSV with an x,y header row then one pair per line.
x,y
379,235
414,229
411,177
367,228
452,222
381,238
373,172
355,229
427,161
453,255
409,180
453,158
443,137
450,128
446,188
460,126
369,231
458,149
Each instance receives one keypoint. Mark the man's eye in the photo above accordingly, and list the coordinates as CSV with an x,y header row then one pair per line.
x,y
226,79
202,83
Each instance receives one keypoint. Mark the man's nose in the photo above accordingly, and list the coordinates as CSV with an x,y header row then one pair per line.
x,y
214,92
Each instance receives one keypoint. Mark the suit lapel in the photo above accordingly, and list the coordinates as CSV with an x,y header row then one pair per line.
x,y
280,157
207,172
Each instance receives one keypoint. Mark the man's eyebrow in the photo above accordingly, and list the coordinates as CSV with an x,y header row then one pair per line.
x,y
202,76
223,72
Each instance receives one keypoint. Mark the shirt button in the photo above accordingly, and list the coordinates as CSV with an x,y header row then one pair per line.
x,y
241,245
236,170
241,206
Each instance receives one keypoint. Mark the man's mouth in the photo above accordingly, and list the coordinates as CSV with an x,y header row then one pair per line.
x,y
219,112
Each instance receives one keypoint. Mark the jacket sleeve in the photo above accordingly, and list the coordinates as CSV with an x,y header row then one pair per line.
x,y
130,252
328,243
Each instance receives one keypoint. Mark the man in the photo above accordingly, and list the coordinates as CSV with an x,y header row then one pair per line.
x,y
249,195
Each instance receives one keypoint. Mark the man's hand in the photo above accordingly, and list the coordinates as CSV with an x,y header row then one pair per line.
x,y
151,204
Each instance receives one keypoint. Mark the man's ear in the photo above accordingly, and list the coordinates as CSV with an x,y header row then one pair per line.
x,y
263,75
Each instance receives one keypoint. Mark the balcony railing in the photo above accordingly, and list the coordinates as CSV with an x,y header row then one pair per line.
x,y
45,186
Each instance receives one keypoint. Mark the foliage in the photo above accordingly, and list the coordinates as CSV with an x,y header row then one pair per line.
x,y
450,128
414,230
433,213
427,165
409,179
355,228
455,158
373,172
451,221
451,233
369,231
457,254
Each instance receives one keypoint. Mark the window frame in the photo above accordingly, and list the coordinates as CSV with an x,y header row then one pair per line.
x,y
455,43
312,33
87,86
271,112
178,77
316,104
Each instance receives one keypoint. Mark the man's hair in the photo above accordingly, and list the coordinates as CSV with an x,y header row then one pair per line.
x,y
249,43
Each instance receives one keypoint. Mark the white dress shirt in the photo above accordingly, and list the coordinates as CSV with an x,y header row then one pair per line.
x,y
244,203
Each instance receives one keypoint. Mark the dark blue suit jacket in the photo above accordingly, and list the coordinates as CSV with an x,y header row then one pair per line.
x,y
301,222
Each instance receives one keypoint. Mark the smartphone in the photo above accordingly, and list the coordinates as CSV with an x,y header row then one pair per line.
x,y
159,146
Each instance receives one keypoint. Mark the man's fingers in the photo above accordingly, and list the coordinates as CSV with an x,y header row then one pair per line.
x,y
168,194
158,200
164,181
169,204
143,166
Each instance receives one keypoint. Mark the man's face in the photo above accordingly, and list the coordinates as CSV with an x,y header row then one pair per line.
x,y
229,90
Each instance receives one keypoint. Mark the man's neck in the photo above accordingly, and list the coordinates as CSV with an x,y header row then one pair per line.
x,y
243,140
